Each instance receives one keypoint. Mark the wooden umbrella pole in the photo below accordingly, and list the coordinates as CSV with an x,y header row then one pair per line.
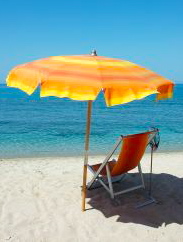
x,y
86,154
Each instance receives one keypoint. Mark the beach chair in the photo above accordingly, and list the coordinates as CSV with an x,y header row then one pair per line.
x,y
130,155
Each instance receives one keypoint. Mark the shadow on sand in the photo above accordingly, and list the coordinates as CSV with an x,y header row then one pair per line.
x,y
166,189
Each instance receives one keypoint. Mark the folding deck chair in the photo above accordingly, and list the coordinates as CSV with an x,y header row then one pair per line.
x,y
131,153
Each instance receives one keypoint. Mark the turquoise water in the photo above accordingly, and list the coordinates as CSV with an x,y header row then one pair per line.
x,y
34,126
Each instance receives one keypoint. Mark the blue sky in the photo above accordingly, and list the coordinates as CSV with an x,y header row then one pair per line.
x,y
149,33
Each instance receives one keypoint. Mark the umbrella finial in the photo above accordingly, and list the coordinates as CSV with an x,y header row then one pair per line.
x,y
94,53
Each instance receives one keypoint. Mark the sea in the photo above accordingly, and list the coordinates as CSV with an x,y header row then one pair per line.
x,y
31,126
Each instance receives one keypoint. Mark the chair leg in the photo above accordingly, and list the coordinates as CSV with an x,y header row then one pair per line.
x,y
141,175
151,199
110,181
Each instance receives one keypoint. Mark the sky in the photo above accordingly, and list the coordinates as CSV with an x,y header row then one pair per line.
x,y
148,33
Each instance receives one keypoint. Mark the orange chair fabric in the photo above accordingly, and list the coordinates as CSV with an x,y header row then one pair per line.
x,y
132,150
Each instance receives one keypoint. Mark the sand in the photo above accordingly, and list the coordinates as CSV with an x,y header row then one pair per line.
x,y
40,200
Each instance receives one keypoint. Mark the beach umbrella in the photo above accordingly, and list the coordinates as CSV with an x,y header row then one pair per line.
x,y
83,77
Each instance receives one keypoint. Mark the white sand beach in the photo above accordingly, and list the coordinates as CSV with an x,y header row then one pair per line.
x,y
40,200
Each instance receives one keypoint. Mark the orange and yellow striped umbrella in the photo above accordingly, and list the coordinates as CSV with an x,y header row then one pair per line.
x,y
83,77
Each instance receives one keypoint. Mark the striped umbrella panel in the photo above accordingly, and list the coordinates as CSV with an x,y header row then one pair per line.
x,y
83,77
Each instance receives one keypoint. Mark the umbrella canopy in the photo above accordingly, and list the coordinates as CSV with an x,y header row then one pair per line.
x,y
83,77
